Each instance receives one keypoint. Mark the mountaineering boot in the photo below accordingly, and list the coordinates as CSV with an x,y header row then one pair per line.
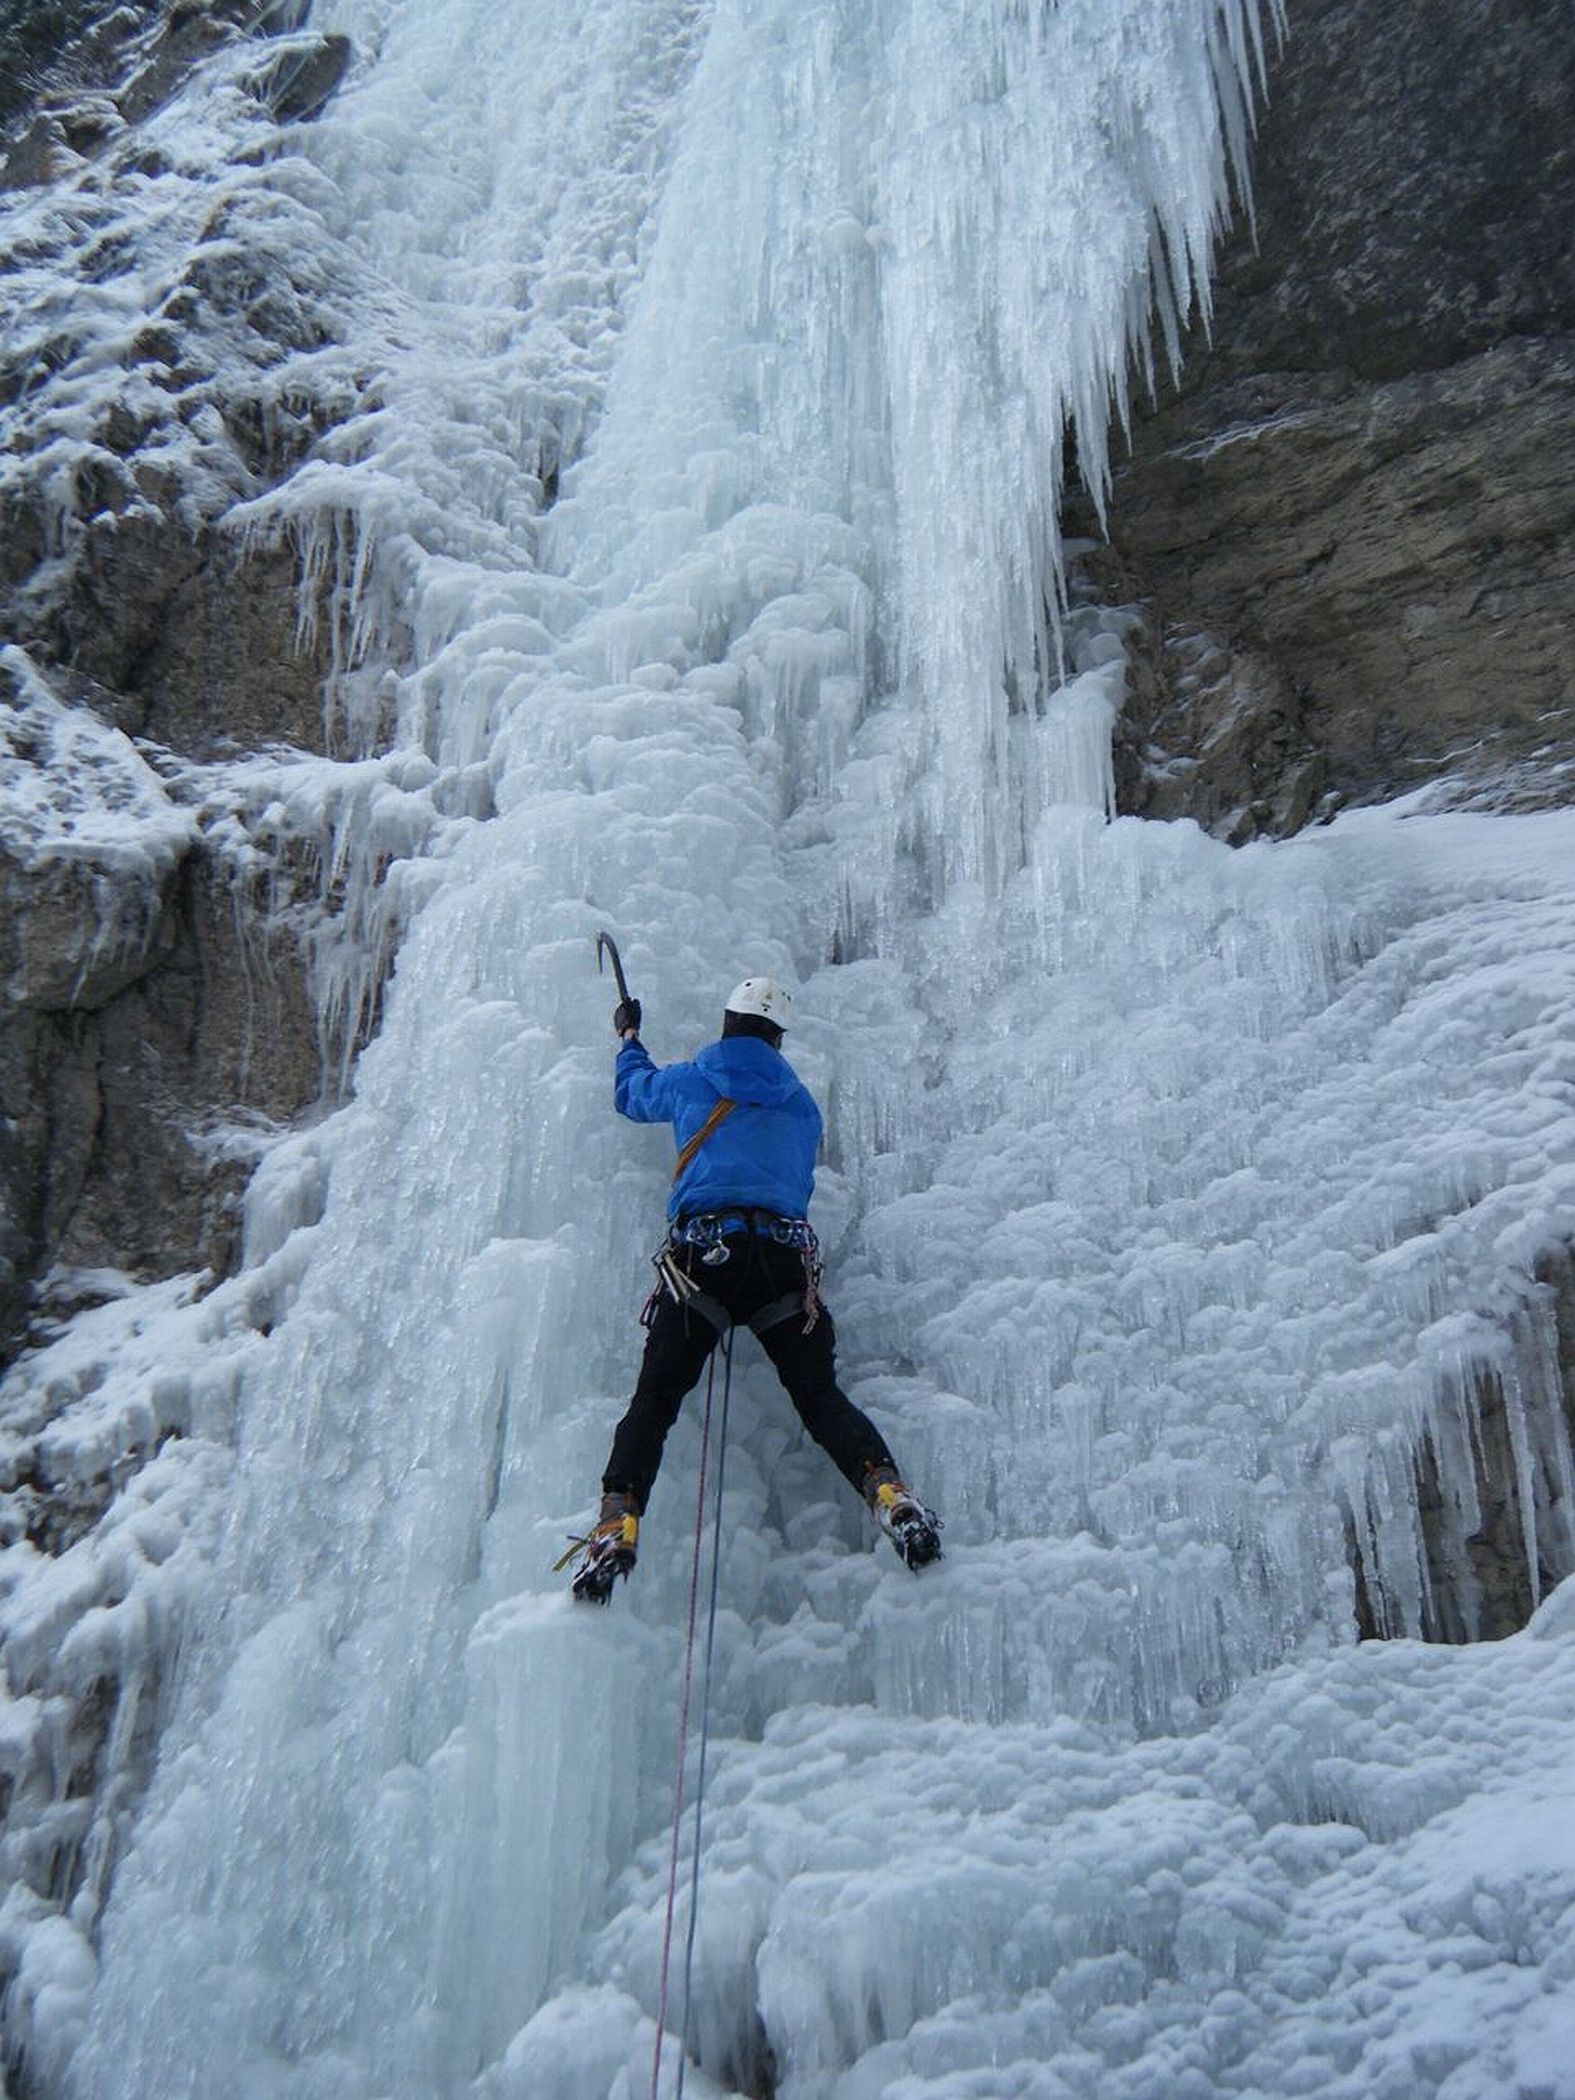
x,y
914,1530
609,1550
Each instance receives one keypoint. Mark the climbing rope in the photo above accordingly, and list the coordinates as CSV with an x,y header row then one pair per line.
x,y
683,1721
705,1705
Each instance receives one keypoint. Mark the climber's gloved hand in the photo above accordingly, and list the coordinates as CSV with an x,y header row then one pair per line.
x,y
626,1017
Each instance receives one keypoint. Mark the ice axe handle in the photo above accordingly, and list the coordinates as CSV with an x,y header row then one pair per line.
x,y
605,942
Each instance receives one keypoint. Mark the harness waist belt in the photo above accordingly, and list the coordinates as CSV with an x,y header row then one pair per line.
x,y
704,1228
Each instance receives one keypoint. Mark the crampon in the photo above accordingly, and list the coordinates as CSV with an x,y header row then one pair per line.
x,y
914,1530
606,1552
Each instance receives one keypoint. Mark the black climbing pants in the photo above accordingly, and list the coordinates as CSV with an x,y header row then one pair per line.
x,y
757,1273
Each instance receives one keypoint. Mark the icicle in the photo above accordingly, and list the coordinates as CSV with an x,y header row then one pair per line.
x,y
1176,1197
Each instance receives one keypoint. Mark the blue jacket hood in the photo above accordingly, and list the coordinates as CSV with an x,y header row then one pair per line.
x,y
746,1069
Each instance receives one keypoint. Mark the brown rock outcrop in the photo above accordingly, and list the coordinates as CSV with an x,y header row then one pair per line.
x,y
1352,524
148,1019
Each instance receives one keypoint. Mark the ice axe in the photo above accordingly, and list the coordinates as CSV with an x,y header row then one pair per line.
x,y
606,945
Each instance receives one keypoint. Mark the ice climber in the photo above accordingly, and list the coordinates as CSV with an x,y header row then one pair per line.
x,y
739,1251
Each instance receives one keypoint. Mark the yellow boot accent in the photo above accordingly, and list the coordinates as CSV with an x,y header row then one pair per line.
x,y
624,1530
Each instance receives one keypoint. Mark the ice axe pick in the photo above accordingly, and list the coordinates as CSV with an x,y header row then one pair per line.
x,y
606,945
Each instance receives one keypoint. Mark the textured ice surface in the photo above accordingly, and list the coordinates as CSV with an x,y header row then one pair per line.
x,y
1174,1196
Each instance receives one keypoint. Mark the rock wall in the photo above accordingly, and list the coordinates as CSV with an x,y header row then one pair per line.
x,y
1351,523
156,1018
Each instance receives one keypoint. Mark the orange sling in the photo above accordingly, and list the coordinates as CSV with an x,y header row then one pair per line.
x,y
724,1108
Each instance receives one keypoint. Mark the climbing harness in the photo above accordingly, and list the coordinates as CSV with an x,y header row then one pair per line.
x,y
715,1235
683,1723
713,1228
675,1282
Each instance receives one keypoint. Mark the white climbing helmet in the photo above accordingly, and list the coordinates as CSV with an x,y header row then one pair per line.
x,y
764,997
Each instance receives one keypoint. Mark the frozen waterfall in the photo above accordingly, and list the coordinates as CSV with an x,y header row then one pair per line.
x,y
694,570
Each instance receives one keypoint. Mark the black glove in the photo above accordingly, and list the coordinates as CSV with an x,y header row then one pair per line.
x,y
626,1017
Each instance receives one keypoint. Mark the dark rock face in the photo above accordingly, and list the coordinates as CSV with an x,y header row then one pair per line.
x,y
36,34
84,69
1352,525
189,638
131,1149
152,1012
1412,182
298,84
153,1025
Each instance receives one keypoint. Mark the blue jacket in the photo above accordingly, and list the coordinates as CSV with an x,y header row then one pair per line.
x,y
762,1154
